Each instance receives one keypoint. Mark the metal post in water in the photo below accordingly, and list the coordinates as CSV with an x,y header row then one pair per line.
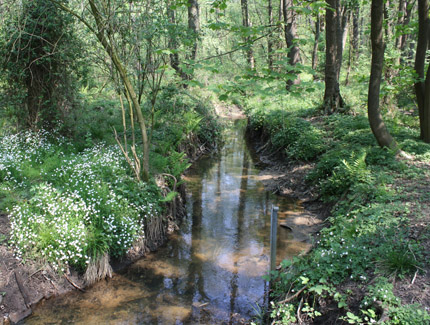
x,y
273,229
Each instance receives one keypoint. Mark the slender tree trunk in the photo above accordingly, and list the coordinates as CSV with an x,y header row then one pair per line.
x,y
400,21
101,28
422,85
350,59
173,44
355,31
193,25
404,13
316,42
387,25
270,37
247,23
333,101
376,122
290,31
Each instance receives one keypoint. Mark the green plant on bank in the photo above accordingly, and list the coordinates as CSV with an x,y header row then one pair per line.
x,y
86,206
367,238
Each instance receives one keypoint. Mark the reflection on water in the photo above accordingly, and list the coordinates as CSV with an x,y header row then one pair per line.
x,y
211,270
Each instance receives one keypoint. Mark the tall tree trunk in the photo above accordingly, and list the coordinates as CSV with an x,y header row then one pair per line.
x,y
193,25
387,25
270,36
404,13
376,122
333,101
173,44
350,58
247,23
355,31
290,31
422,85
400,21
316,42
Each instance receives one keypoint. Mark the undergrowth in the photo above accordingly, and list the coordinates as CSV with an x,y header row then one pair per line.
x,y
366,243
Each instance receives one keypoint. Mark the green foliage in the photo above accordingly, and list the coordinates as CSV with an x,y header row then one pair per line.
x,y
284,313
39,53
408,315
367,232
349,172
397,258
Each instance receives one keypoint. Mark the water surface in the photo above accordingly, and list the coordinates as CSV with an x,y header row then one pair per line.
x,y
210,271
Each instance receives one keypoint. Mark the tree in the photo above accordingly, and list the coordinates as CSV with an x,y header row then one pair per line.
x,y
270,37
39,53
422,85
316,42
193,25
376,122
333,101
246,23
103,29
290,32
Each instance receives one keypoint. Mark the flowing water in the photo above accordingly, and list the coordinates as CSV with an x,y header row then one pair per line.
x,y
210,271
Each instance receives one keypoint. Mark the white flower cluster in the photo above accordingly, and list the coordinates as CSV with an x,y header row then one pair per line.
x,y
51,226
80,195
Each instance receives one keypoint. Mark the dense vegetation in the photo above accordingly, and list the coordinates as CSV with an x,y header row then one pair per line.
x,y
102,101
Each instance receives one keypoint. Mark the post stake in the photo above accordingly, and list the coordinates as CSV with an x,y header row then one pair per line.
x,y
273,229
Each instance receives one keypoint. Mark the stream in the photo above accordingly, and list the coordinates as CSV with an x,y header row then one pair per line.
x,y
208,272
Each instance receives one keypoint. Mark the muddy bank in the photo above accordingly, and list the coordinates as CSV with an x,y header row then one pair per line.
x,y
284,177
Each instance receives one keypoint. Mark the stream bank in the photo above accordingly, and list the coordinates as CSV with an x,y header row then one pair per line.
x,y
286,177
24,283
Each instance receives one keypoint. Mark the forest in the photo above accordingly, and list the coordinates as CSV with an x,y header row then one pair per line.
x,y
105,105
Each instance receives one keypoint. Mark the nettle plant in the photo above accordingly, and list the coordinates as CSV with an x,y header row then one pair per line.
x,y
82,206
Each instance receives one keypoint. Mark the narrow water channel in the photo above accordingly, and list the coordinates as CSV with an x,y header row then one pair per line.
x,y
210,271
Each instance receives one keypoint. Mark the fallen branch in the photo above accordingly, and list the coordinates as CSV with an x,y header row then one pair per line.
x,y
415,277
35,272
73,284
299,316
288,299
22,290
52,282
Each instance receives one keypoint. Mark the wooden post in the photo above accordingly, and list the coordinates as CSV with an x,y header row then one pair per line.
x,y
273,230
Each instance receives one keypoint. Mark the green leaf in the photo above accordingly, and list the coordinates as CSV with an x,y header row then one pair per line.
x,y
169,197
304,279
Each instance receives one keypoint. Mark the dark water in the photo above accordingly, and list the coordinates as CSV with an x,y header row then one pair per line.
x,y
210,271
